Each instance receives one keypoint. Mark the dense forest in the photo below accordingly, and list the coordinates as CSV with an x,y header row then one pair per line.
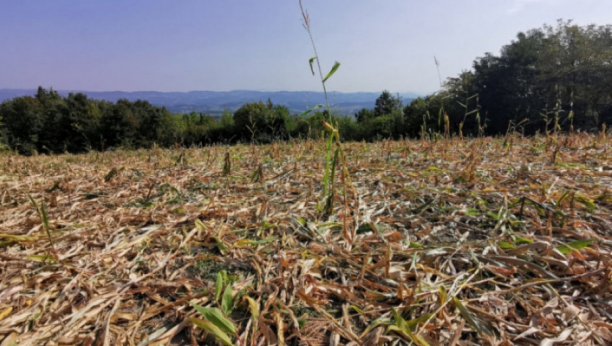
x,y
554,78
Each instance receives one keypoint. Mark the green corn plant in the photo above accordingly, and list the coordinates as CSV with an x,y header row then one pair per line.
x,y
604,137
446,126
426,117
546,114
478,119
252,128
441,113
511,130
557,112
257,176
332,157
227,164
223,296
42,213
570,115
215,323
215,320
441,116
328,125
467,112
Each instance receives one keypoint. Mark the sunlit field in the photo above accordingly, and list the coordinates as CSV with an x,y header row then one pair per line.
x,y
492,241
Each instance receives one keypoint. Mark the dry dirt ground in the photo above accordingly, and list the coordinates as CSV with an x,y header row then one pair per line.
x,y
494,241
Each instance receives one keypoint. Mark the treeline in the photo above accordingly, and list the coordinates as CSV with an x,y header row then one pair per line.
x,y
555,78
50,123
549,79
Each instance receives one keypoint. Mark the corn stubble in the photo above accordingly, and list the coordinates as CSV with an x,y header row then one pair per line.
x,y
460,241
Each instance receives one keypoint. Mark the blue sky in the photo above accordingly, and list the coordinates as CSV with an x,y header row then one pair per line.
x,y
182,45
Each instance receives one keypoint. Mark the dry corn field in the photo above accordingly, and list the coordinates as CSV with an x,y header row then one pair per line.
x,y
493,241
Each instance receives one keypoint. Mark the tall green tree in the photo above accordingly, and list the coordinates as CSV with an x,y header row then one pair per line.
x,y
387,104
119,125
78,123
261,122
23,122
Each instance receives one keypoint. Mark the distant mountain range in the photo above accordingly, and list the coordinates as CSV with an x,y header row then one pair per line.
x,y
214,102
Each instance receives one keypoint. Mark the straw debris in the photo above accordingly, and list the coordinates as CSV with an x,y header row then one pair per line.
x,y
454,242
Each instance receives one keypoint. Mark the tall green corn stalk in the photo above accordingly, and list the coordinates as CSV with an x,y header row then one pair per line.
x,y
545,114
604,137
558,110
467,112
332,157
443,118
426,117
570,116
441,112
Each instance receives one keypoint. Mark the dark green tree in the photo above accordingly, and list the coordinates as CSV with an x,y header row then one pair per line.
x,y
261,122
364,115
78,123
119,125
23,122
387,104
560,72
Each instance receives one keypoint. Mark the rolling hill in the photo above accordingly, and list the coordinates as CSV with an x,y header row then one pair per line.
x,y
214,102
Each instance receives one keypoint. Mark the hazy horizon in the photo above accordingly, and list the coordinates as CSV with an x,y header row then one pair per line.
x,y
154,45
189,91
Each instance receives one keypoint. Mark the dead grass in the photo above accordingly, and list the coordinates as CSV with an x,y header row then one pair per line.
x,y
456,242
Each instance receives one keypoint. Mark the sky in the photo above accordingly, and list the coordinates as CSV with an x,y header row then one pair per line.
x,y
221,45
